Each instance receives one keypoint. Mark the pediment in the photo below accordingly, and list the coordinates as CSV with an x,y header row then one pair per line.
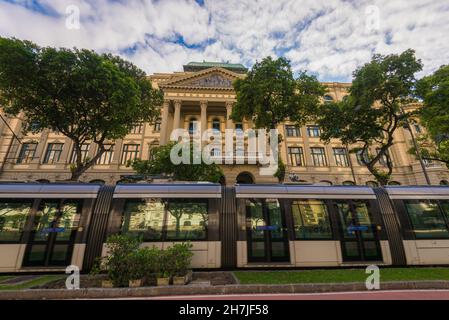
x,y
214,78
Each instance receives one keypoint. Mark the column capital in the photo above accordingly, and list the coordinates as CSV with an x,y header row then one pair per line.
x,y
177,103
229,104
204,103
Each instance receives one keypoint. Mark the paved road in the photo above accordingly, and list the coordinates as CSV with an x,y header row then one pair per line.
x,y
364,295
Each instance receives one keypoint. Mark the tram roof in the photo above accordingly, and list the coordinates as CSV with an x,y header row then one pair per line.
x,y
168,191
304,192
49,191
418,192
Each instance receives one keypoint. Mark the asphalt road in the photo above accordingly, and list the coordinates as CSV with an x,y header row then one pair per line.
x,y
363,295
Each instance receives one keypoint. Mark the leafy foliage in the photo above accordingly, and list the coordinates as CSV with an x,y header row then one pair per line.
x,y
162,164
85,96
270,94
434,115
373,111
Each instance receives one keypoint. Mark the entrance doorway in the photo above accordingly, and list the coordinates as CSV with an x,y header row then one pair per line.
x,y
266,231
245,178
53,234
359,236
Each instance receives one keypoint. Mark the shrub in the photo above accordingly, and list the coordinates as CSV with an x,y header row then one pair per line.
x,y
121,250
178,259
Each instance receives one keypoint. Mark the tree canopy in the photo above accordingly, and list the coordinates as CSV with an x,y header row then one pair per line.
x,y
161,164
369,116
434,115
87,97
270,94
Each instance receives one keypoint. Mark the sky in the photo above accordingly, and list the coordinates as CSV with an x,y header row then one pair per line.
x,y
329,38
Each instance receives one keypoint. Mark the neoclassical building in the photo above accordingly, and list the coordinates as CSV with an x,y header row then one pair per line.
x,y
203,95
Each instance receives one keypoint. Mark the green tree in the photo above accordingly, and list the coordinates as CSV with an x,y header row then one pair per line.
x,y
83,95
162,164
434,115
270,95
374,109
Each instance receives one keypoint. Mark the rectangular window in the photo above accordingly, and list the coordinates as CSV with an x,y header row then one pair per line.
x,y
27,153
53,153
361,157
159,220
144,218
311,220
426,219
296,156
383,159
157,126
341,157
13,215
417,128
138,128
84,153
107,156
130,152
292,131
313,131
187,220
319,157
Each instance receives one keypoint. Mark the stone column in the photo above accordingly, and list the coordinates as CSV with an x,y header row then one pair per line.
x,y
229,122
203,116
177,115
164,122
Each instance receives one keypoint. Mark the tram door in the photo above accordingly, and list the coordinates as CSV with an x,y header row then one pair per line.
x,y
266,231
359,236
53,233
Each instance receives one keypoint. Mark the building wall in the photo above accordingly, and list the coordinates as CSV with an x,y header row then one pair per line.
x,y
187,97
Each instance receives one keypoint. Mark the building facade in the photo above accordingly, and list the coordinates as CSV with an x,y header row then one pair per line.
x,y
203,95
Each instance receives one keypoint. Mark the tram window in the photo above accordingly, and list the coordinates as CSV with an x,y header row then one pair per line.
x,y
311,220
445,207
144,218
187,220
426,219
13,215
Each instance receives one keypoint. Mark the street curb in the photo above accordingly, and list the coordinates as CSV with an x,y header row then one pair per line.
x,y
100,293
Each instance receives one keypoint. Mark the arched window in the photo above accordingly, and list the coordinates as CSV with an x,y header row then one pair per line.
x,y
324,183
372,184
444,183
193,125
328,99
348,183
394,183
216,125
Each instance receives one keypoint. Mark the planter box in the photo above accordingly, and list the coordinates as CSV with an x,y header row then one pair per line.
x,y
107,284
135,283
163,281
180,281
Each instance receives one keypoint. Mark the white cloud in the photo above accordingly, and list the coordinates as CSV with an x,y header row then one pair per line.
x,y
328,37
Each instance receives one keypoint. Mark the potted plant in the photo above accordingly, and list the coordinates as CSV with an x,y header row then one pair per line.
x,y
136,268
181,257
162,268
117,263
150,264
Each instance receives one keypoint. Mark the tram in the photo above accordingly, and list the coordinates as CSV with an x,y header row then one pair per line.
x,y
46,227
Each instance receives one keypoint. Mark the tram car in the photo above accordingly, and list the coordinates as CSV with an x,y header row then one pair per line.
x,y
46,227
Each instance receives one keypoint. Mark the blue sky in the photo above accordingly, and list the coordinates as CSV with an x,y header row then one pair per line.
x,y
329,38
